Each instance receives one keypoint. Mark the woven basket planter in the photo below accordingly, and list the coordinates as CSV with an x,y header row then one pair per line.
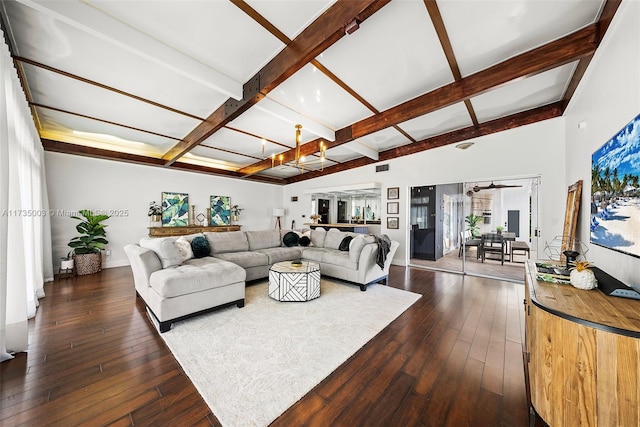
x,y
88,263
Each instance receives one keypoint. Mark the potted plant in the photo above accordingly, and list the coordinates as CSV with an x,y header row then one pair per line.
x,y
472,224
87,246
499,229
66,262
235,213
155,214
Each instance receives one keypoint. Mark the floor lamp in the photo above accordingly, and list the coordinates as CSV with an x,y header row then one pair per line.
x,y
279,212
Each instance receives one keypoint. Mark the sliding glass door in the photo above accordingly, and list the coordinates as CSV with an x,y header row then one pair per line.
x,y
451,225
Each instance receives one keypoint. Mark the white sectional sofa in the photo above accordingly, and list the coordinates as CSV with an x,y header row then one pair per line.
x,y
175,286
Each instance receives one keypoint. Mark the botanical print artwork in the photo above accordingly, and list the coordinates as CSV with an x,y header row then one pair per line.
x,y
175,209
615,191
220,210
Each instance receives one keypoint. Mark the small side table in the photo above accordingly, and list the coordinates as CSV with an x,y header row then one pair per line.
x,y
289,282
65,273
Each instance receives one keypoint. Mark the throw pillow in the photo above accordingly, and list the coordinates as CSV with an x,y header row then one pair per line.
x,y
304,241
184,247
290,239
200,247
344,245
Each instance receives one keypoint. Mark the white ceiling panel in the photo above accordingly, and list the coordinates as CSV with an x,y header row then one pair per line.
x,y
441,121
53,90
231,140
342,154
73,51
523,94
290,17
234,161
311,91
216,33
394,56
264,125
77,128
484,33
383,139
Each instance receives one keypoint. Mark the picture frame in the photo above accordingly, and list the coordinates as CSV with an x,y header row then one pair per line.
x,y
393,193
393,222
393,208
175,209
220,210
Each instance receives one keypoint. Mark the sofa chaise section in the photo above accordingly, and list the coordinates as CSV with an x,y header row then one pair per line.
x,y
192,287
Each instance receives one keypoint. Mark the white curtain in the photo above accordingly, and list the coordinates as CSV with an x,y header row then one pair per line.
x,y
25,234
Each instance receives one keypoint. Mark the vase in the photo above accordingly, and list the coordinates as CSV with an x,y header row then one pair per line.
x,y
156,220
584,279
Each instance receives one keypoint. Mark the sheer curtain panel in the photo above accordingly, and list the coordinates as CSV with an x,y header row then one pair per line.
x,y
25,234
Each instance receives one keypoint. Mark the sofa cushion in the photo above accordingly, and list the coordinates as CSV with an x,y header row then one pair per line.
x,y
339,258
344,245
290,239
200,247
165,248
245,259
313,254
335,237
229,241
317,237
281,254
184,247
356,245
195,275
263,239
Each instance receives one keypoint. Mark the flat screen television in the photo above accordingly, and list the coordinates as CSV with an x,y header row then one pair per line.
x,y
615,191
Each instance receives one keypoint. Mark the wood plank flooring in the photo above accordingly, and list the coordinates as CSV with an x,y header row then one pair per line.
x,y
454,358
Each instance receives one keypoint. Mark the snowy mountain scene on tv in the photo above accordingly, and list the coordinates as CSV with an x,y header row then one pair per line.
x,y
615,191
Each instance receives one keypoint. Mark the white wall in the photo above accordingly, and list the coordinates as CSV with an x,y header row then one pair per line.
x,y
607,98
76,183
532,150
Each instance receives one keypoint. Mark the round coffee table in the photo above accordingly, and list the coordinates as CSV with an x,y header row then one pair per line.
x,y
290,282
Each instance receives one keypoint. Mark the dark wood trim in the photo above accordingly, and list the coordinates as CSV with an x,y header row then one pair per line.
x,y
100,153
317,37
498,125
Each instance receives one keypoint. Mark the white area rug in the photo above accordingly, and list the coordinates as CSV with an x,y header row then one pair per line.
x,y
251,364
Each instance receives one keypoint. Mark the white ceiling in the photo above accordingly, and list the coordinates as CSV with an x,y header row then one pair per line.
x,y
138,77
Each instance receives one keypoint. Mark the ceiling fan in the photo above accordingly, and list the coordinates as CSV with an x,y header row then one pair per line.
x,y
493,186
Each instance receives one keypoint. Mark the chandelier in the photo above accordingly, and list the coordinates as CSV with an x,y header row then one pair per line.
x,y
299,159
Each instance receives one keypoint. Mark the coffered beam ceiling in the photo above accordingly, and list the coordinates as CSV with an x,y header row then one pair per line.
x,y
575,46
213,130
315,39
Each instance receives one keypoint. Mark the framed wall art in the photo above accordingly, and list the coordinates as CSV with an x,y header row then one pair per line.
x,y
393,207
392,222
393,193
220,210
175,209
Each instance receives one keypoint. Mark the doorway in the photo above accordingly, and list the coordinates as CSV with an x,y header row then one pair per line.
x,y
323,210
448,222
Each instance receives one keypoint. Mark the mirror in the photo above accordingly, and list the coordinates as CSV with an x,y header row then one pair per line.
x,y
570,221
352,204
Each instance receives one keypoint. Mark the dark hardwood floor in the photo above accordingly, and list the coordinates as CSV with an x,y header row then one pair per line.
x,y
454,358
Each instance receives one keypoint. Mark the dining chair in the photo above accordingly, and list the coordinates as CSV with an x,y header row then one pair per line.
x,y
491,244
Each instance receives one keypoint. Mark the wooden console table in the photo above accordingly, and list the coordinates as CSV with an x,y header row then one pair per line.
x,y
190,229
582,353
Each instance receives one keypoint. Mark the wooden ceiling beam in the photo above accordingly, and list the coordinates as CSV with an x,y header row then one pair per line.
x,y
559,52
316,38
498,125
100,153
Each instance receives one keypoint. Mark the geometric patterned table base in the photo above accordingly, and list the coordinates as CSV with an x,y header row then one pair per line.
x,y
287,283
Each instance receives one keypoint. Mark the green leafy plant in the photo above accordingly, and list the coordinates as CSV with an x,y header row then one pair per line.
x,y
472,224
499,228
92,234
